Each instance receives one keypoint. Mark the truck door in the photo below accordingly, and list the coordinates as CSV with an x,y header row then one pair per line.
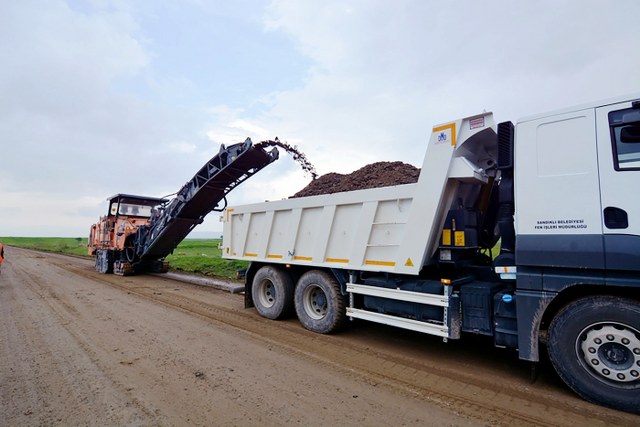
x,y
618,139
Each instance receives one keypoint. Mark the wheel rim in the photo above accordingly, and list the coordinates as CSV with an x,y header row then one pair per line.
x,y
611,353
315,302
266,293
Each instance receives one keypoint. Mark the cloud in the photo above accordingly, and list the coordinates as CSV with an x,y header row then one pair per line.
x,y
229,129
58,108
43,214
182,147
68,133
382,76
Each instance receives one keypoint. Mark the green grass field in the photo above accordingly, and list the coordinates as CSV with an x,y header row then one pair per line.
x,y
200,256
203,256
64,245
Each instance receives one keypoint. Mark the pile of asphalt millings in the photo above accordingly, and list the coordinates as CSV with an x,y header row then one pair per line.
x,y
374,175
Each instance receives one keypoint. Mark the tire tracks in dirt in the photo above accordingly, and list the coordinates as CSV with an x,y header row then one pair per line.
x,y
66,314
49,376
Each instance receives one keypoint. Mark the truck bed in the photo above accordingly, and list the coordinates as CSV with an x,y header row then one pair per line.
x,y
360,229
388,229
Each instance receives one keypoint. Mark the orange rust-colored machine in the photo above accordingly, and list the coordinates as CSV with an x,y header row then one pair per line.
x,y
112,240
138,232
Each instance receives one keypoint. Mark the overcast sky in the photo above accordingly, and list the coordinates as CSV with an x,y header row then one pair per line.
x,y
103,97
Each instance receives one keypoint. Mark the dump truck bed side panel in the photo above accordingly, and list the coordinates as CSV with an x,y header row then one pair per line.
x,y
358,229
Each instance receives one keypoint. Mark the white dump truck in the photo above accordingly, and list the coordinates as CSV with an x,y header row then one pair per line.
x,y
559,191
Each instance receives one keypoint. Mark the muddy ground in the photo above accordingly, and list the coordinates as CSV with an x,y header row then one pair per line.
x,y
80,348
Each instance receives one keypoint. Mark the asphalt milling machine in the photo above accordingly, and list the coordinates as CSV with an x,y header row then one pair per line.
x,y
139,232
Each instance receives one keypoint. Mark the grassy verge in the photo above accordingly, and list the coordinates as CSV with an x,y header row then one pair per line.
x,y
200,256
64,245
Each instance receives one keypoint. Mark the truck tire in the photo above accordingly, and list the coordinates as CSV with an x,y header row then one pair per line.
x,y
272,292
594,345
319,304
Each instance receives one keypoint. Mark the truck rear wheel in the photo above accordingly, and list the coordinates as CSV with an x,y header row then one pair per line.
x,y
319,304
272,292
594,345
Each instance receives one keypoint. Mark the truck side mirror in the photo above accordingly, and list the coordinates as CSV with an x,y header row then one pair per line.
x,y
630,134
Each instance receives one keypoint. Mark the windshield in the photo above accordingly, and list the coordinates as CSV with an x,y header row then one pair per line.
x,y
131,209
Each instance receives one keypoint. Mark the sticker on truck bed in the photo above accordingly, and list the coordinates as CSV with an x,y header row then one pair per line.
x,y
476,123
446,133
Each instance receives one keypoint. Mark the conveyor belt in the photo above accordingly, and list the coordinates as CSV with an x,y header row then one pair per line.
x,y
202,194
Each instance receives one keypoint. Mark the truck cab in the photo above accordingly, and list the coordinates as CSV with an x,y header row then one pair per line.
x,y
577,247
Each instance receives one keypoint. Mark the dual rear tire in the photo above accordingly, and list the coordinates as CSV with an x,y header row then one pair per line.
x,y
272,292
316,298
319,302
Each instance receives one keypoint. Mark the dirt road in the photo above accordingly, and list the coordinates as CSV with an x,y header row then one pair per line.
x,y
79,348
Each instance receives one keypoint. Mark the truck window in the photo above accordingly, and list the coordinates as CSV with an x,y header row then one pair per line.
x,y
625,136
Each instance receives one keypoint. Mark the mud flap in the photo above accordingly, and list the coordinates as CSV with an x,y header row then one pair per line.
x,y
531,306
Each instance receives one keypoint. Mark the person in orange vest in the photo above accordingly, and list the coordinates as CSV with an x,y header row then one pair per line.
x,y
1,253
